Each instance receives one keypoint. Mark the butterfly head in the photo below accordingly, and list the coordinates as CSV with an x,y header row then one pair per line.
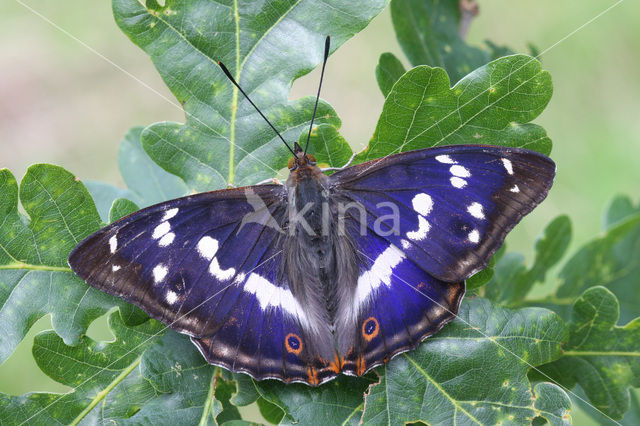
x,y
300,158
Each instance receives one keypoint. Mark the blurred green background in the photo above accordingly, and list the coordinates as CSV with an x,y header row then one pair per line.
x,y
69,98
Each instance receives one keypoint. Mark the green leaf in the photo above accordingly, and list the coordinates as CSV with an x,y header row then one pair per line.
x,y
271,412
104,194
94,369
427,31
247,393
613,261
145,376
35,279
482,277
148,181
619,208
492,105
336,402
513,281
603,358
388,71
474,371
327,145
121,208
266,46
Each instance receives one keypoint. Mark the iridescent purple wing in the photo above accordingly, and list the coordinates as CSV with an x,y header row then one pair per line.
x,y
455,204
423,222
208,265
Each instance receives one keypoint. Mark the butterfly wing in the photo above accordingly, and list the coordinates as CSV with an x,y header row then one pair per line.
x,y
208,265
454,206
398,305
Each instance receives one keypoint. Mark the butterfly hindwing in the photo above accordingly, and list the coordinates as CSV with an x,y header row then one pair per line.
x,y
398,305
454,205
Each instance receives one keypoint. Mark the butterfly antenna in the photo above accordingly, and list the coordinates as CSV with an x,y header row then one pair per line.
x,y
327,43
230,77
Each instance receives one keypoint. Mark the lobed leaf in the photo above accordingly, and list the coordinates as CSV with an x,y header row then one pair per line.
x,y
388,71
121,208
612,261
492,105
145,376
600,356
149,183
265,45
513,280
328,146
94,370
104,194
35,279
428,32
475,372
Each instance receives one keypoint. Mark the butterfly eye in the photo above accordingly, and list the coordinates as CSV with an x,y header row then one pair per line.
x,y
293,343
311,158
292,163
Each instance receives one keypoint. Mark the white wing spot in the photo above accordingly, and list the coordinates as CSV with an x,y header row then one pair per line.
x,y
405,244
445,159
113,244
166,239
172,297
161,229
515,189
458,182
380,272
207,247
474,236
115,268
422,203
475,210
507,166
459,171
421,233
219,273
270,295
159,272
169,214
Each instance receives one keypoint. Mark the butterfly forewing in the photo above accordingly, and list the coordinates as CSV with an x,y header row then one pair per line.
x,y
454,205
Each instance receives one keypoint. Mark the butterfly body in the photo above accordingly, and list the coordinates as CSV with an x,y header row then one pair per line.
x,y
325,274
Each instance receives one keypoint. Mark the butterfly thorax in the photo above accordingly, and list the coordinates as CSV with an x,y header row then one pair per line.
x,y
321,266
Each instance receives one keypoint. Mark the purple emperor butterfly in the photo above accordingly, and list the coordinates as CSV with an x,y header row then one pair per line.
x,y
325,274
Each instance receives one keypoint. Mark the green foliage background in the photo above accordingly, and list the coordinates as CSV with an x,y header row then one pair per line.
x,y
65,110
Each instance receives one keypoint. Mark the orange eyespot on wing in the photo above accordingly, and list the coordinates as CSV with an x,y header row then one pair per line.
x,y
293,343
370,328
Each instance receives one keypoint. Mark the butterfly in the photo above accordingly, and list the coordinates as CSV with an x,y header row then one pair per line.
x,y
325,274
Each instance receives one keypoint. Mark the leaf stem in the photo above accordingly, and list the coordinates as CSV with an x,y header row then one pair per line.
x,y
21,265
234,101
600,353
103,393
355,410
209,401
